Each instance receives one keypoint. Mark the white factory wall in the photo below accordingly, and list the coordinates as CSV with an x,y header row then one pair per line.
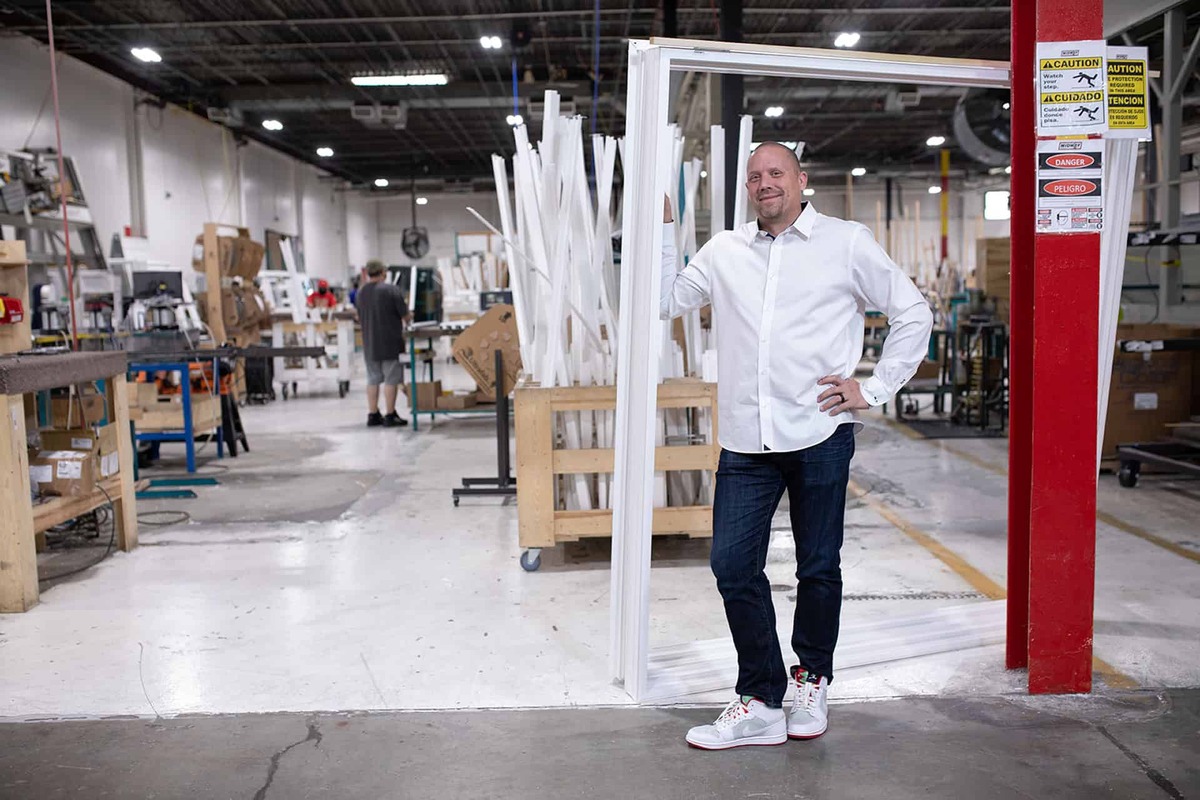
x,y
192,170
445,215
94,107
190,177
362,229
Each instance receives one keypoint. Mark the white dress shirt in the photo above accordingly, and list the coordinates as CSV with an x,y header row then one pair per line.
x,y
789,311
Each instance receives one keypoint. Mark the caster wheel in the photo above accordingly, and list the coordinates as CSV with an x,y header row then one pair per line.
x,y
531,560
1127,476
456,499
285,392
295,390
341,390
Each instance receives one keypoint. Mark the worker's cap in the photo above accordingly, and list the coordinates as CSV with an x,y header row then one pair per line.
x,y
375,268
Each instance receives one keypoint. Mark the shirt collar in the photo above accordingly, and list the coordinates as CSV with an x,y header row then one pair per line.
x,y
803,223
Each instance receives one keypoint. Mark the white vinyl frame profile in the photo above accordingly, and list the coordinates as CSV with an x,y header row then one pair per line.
x,y
648,145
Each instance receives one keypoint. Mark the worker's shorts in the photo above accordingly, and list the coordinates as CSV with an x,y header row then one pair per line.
x,y
390,372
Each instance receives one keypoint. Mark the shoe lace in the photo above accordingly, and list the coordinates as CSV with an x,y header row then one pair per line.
x,y
734,713
806,696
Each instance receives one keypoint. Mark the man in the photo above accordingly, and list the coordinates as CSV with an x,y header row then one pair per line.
x,y
789,292
382,312
323,297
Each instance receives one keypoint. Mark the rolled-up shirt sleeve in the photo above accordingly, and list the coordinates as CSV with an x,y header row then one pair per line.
x,y
885,287
681,290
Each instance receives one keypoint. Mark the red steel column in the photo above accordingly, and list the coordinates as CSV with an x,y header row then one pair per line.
x,y
1023,190
1062,523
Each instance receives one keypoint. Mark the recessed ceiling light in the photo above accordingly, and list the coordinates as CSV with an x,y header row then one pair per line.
x,y
420,79
272,124
514,120
422,201
490,42
935,141
809,192
935,190
858,172
846,39
703,173
381,182
325,152
146,54
774,111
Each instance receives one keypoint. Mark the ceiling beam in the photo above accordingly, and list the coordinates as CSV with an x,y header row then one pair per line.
x,y
458,19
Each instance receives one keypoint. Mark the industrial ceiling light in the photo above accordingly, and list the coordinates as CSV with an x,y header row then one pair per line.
x,y
846,39
416,79
272,124
774,111
809,192
858,172
422,201
514,120
490,42
1006,106
703,173
325,152
935,190
935,141
1008,170
146,54
381,182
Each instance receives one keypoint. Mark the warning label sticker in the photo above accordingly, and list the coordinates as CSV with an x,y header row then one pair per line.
x,y
1071,88
1128,96
1070,196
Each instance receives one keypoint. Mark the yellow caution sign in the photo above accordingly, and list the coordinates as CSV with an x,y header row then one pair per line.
x,y
1072,97
1093,62
1127,107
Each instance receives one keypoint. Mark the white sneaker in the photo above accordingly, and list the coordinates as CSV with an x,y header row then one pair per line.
x,y
809,717
741,724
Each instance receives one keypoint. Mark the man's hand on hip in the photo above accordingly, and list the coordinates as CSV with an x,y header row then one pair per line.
x,y
843,394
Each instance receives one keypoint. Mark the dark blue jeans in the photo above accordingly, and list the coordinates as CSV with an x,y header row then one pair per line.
x,y
749,487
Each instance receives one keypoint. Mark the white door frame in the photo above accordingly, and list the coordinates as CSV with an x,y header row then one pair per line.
x,y
647,146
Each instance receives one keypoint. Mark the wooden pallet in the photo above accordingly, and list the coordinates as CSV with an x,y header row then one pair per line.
x,y
539,463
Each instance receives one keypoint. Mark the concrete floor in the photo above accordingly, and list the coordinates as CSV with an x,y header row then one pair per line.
x,y
1133,745
329,572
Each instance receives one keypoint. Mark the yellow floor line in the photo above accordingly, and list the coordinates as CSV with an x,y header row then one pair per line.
x,y
1102,516
1133,530
1113,677
978,581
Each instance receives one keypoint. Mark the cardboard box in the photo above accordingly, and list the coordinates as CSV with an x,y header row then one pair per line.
x,y
427,395
475,349
63,473
928,370
237,256
1149,390
457,402
78,411
101,442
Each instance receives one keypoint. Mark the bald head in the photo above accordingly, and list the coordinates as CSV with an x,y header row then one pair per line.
x,y
775,184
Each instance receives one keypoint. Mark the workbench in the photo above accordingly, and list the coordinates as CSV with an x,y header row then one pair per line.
x,y
20,521
431,333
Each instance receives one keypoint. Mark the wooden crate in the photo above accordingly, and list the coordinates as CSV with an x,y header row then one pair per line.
x,y
539,462
167,414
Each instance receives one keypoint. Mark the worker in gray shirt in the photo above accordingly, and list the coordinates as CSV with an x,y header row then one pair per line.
x,y
382,311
